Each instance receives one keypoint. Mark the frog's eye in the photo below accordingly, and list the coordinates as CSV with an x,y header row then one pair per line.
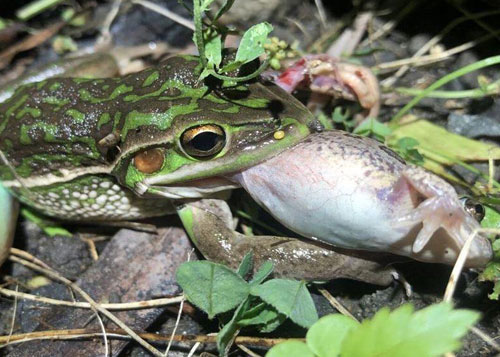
x,y
474,208
203,141
149,161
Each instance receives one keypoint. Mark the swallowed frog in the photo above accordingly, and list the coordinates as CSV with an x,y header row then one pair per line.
x,y
159,141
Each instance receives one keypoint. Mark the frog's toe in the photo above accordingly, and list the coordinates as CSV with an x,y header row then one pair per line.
x,y
425,213
429,227
415,216
447,213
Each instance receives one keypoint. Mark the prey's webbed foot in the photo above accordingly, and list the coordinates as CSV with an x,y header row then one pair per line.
x,y
441,208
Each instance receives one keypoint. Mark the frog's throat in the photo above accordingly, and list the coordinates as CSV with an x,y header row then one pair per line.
x,y
192,189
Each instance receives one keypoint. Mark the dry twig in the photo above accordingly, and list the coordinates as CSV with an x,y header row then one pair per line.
x,y
96,307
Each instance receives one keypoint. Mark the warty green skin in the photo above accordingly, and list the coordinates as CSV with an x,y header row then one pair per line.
x,y
68,143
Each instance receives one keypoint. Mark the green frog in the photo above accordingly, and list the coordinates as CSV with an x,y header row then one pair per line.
x,y
157,142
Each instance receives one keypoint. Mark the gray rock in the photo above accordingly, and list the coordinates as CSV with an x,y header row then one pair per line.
x,y
473,126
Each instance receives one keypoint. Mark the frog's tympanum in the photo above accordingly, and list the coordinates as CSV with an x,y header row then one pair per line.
x,y
160,141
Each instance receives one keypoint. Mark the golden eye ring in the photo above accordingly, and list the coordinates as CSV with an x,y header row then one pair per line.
x,y
203,141
149,161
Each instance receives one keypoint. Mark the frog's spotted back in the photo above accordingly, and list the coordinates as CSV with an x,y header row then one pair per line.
x,y
60,135
58,123
62,123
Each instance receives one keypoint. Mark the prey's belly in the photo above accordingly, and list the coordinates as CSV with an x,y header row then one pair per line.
x,y
337,199
331,203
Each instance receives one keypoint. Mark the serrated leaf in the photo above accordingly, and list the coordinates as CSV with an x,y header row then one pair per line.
x,y
272,324
252,42
401,333
442,146
491,218
325,337
492,270
289,297
260,314
227,334
373,127
212,287
246,265
264,271
213,49
290,349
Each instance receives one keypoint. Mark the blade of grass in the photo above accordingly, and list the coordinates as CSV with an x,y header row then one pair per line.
x,y
34,8
490,61
490,89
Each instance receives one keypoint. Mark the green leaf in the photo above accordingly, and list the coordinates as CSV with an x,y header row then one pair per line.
x,y
442,146
407,143
49,227
212,287
492,270
227,334
290,349
491,218
340,117
224,8
252,42
231,66
205,73
213,49
264,271
53,231
246,265
325,337
401,333
272,324
289,297
205,4
262,314
370,127
406,147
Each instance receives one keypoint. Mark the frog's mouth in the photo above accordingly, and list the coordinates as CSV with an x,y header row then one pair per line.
x,y
200,188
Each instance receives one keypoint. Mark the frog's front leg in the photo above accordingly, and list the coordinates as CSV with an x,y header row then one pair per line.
x,y
441,208
9,209
209,223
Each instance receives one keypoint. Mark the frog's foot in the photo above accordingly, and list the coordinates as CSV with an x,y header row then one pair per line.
x,y
323,74
441,209
9,209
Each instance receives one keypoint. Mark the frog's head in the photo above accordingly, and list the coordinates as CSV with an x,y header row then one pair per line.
x,y
200,133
